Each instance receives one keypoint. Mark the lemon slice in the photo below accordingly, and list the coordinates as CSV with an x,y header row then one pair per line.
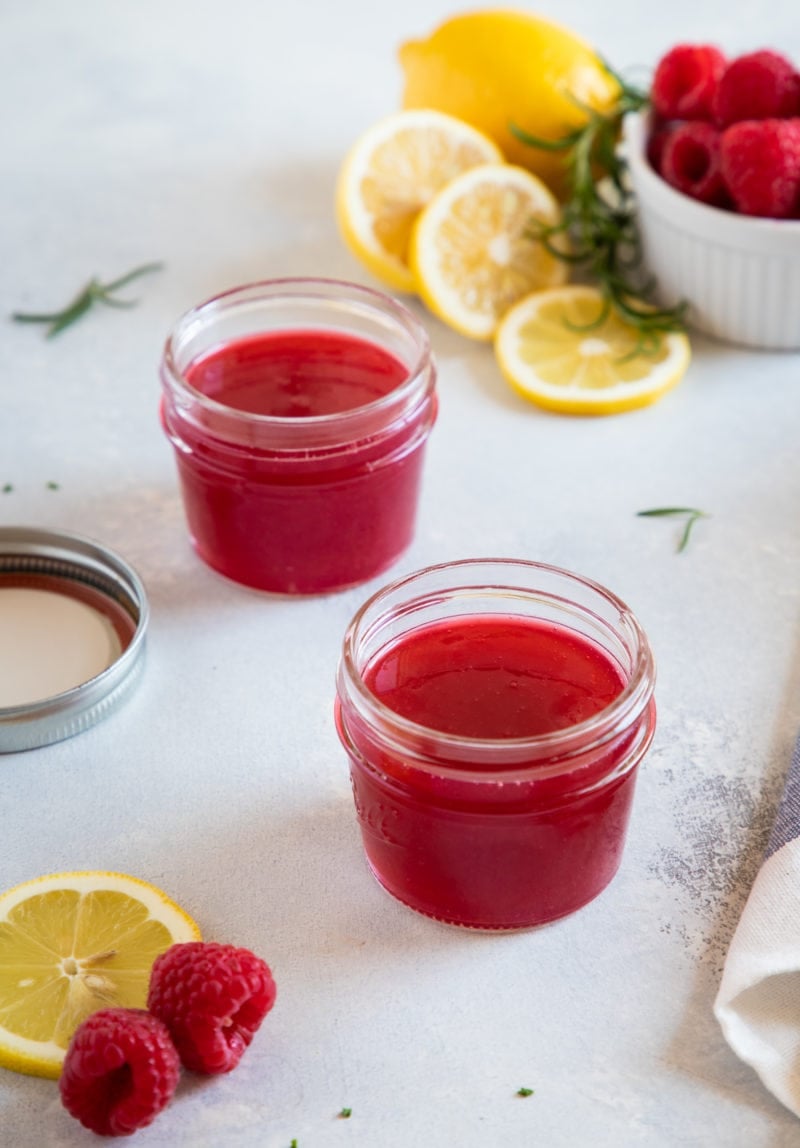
x,y
472,252
71,944
391,172
547,357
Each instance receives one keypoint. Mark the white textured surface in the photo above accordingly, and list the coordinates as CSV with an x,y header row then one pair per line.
x,y
209,137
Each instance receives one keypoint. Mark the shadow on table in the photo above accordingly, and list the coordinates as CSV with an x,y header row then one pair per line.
x,y
303,874
698,1050
146,526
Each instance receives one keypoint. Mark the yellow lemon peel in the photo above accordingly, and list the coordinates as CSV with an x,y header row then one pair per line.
x,y
564,350
472,251
392,171
70,944
494,68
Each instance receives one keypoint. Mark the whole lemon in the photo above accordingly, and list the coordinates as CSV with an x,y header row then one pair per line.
x,y
496,67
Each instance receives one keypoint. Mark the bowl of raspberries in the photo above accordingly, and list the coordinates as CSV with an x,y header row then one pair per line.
x,y
715,169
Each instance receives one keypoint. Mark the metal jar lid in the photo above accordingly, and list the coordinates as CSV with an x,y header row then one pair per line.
x,y
99,582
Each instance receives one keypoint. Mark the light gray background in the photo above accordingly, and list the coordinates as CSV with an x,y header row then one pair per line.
x,y
209,136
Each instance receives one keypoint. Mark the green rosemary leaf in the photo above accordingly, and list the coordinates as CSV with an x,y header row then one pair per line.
x,y
599,213
690,513
664,511
93,292
687,530
35,317
345,1113
542,233
624,87
110,301
524,1092
594,325
73,312
562,144
129,276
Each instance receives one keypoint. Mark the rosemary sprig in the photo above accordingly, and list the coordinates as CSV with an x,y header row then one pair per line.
x,y
689,512
598,219
93,292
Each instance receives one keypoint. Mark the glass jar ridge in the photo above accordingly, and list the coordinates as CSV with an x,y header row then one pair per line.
x,y
459,587
495,832
295,303
318,501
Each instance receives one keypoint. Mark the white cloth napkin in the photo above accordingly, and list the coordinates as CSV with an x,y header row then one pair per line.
x,y
758,1003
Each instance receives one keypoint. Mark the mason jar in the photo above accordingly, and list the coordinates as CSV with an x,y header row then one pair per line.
x,y
298,410
494,713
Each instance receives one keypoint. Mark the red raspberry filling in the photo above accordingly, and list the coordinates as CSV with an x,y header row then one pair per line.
x,y
212,998
121,1069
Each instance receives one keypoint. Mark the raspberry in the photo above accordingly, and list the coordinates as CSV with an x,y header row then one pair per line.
x,y
685,81
758,86
120,1070
656,141
761,166
212,998
690,161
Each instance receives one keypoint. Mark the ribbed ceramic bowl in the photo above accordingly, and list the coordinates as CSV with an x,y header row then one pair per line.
x,y
740,275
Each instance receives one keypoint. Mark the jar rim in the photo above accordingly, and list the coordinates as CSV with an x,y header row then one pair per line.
x,y
557,748
311,289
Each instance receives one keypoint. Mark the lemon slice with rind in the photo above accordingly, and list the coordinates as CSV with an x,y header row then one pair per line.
x,y
70,944
473,249
552,350
389,175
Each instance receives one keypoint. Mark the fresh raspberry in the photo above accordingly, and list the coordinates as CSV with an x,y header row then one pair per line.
x,y
758,86
685,81
690,161
761,166
120,1070
212,998
656,141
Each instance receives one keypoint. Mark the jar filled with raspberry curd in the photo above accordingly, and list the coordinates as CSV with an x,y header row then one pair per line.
x,y
298,410
494,713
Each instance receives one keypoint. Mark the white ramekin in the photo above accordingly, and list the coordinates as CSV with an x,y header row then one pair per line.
x,y
740,275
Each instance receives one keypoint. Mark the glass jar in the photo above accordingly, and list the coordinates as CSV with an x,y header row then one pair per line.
x,y
459,820
299,501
